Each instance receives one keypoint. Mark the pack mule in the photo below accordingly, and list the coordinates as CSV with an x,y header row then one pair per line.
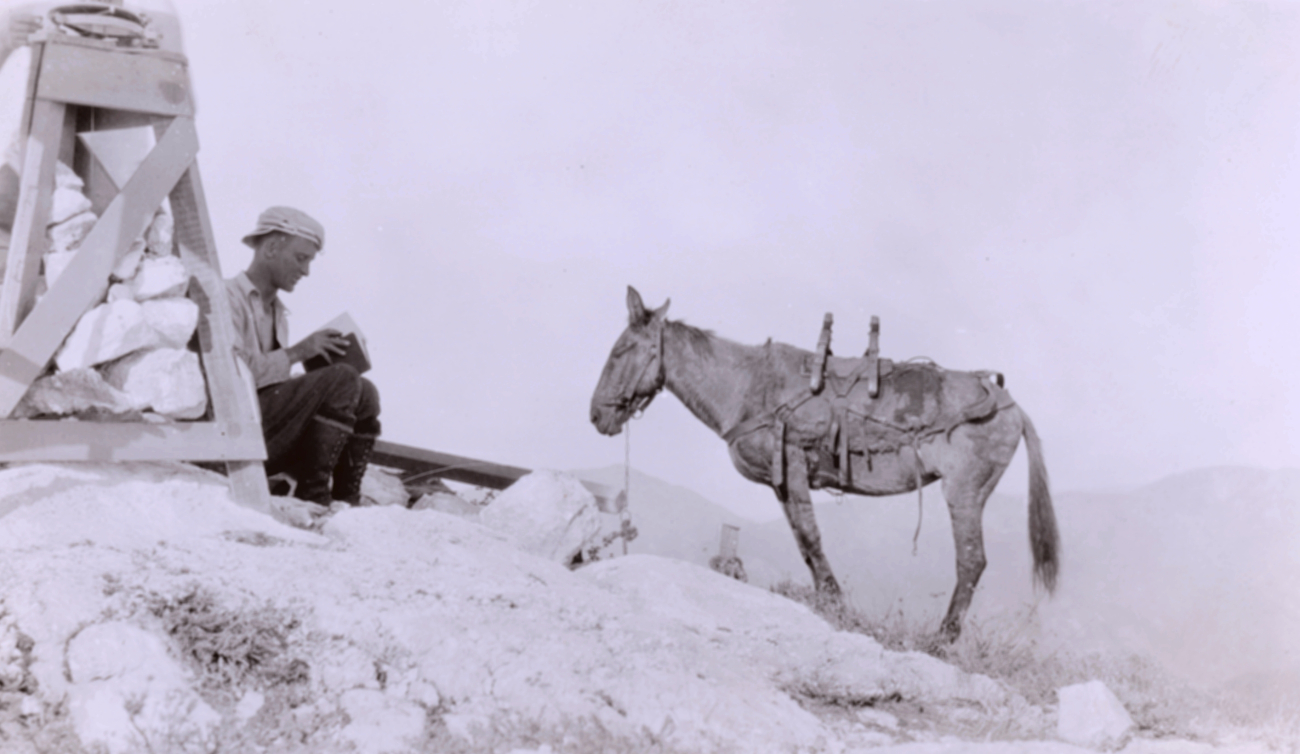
x,y
925,424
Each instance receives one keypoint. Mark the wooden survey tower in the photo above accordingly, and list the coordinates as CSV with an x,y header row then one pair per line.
x,y
95,75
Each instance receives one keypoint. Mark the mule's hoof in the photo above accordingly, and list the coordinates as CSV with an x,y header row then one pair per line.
x,y
830,587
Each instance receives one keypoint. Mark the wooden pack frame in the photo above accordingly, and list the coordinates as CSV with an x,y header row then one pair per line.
x,y
95,85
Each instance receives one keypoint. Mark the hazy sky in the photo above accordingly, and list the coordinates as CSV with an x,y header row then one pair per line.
x,y
1098,199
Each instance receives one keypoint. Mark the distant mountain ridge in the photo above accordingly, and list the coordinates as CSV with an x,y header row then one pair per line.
x,y
1200,569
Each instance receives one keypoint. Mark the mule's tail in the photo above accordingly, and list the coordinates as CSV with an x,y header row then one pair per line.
x,y
1044,540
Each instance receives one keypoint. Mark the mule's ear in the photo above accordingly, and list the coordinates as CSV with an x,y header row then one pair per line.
x,y
659,313
636,313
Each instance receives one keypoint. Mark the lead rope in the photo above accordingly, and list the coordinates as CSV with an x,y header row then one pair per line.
x,y
623,515
920,497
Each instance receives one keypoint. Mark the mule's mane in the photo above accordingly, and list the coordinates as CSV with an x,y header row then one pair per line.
x,y
701,341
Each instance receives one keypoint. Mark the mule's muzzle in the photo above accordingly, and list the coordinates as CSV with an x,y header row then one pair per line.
x,y
609,416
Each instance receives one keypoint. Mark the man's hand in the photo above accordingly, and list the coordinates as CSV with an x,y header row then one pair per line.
x,y
319,343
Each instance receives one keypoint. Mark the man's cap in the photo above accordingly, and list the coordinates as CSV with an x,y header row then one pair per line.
x,y
295,222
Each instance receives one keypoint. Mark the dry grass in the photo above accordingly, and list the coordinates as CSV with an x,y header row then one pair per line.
x,y
509,732
1007,650
243,647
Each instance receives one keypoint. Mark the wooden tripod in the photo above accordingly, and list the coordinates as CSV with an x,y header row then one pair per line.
x,y
78,85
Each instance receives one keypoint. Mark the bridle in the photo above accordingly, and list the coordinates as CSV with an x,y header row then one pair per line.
x,y
638,403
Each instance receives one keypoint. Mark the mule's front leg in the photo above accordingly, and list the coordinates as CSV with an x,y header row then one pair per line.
x,y
797,503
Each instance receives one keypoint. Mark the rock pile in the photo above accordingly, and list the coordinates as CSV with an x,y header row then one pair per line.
x,y
129,353
149,612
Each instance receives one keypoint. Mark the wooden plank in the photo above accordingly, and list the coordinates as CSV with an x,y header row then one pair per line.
x,y
139,81
231,400
248,483
432,464
85,279
35,195
37,440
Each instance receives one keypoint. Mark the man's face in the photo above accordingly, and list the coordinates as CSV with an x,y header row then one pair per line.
x,y
291,260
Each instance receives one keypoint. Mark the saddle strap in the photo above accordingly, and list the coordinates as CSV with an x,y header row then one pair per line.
x,y
840,435
778,457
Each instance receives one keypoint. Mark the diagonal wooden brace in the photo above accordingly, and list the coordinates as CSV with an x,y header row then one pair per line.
x,y
35,194
85,279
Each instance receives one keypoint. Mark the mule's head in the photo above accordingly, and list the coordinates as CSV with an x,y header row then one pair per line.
x,y
634,373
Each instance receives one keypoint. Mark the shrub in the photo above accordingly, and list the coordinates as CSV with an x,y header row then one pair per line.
x,y
243,647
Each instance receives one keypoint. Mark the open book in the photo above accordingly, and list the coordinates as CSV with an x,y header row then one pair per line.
x,y
358,355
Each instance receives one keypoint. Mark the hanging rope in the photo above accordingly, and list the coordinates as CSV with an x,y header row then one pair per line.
x,y
623,515
920,499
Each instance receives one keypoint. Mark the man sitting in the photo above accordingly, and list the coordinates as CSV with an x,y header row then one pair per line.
x,y
321,424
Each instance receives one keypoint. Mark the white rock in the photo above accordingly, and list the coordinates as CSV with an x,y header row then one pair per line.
x,y
66,202
249,705
129,695
118,292
55,263
1089,714
159,277
160,234
441,614
106,650
69,234
11,656
107,332
380,724
172,319
72,392
548,513
380,486
127,266
66,178
447,502
168,380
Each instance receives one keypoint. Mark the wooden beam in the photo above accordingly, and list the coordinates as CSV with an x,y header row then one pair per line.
x,y
54,440
85,279
143,81
35,195
232,400
432,464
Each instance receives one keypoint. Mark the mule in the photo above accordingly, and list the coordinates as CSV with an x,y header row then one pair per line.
x,y
750,396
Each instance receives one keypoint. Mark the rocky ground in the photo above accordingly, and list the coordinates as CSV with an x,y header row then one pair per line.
x,y
142,610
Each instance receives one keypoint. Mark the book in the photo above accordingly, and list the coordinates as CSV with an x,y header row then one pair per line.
x,y
357,355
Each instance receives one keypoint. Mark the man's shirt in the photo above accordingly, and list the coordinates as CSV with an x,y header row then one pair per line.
x,y
259,335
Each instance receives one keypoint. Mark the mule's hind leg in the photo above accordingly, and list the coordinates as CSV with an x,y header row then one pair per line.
x,y
797,504
977,455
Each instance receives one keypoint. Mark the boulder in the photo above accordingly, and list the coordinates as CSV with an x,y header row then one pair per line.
x,y
127,266
167,380
127,694
172,319
380,723
1090,715
67,202
64,176
118,292
380,486
158,238
106,332
159,277
69,234
446,502
547,513
72,392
